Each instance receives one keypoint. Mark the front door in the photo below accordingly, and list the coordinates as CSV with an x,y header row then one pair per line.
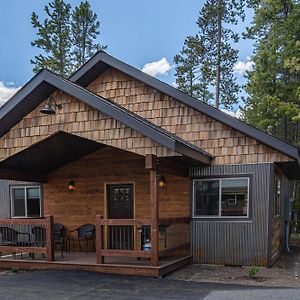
x,y
120,206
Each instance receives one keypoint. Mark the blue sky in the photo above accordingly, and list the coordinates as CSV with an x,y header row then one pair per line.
x,y
137,32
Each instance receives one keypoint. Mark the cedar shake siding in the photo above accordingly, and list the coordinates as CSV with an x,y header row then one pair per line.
x,y
228,145
82,120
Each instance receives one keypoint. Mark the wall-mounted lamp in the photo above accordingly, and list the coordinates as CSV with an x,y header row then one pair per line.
x,y
48,109
71,186
161,181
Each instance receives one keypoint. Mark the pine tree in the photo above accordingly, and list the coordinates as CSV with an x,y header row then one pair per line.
x,y
206,61
53,39
85,29
191,74
67,38
273,87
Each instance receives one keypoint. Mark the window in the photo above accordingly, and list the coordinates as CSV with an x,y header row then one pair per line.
x,y
277,197
223,197
25,202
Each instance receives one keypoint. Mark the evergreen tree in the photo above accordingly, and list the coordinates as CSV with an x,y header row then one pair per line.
x,y
53,39
66,38
85,29
206,61
192,76
273,87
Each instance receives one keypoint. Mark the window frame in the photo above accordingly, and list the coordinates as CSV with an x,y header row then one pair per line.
x,y
219,216
24,187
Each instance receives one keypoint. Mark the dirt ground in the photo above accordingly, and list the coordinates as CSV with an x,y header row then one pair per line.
x,y
284,273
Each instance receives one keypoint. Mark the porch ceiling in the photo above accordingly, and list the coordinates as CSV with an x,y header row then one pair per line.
x,y
51,153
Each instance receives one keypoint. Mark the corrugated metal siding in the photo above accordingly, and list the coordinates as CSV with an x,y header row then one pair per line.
x,y
5,196
235,242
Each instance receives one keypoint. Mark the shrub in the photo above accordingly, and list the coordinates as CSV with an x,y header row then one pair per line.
x,y
252,271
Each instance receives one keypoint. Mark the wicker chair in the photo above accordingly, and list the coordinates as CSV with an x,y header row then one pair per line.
x,y
39,234
59,236
84,233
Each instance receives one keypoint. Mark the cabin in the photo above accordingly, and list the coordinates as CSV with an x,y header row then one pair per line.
x,y
114,171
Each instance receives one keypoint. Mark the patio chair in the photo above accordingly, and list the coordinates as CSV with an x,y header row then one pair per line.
x,y
85,232
39,238
10,237
59,236
39,234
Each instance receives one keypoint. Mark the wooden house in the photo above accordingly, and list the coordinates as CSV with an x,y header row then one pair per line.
x,y
165,179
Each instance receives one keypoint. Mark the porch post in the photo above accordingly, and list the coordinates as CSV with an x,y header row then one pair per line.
x,y
99,237
49,238
151,164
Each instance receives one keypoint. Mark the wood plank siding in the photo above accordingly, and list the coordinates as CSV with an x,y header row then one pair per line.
x,y
91,174
228,145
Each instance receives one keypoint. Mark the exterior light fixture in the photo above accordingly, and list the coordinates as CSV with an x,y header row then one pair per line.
x,y
161,181
48,109
71,186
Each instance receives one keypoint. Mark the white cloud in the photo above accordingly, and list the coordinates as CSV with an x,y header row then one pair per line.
x,y
174,84
6,91
237,114
160,67
241,67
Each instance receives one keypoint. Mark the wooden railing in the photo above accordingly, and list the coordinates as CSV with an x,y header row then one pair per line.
x,y
120,237
132,237
174,235
27,236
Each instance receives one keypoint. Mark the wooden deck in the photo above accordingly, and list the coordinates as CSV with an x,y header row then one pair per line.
x,y
87,261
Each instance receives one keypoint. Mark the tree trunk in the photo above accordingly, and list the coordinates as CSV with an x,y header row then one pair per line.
x,y
83,45
218,71
191,83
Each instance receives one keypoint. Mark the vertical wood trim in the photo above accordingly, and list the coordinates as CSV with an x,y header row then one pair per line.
x,y
99,257
105,229
151,163
49,238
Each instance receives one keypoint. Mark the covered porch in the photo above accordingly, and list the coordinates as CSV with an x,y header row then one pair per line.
x,y
29,256
149,235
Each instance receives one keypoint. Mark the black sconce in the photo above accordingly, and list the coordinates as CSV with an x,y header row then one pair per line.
x,y
48,109
71,186
161,181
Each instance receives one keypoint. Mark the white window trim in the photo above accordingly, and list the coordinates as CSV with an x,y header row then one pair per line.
x,y
25,187
219,216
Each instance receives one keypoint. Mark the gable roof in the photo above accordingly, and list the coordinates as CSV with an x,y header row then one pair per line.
x,y
45,82
102,61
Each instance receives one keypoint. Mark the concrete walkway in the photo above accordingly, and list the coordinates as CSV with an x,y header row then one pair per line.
x,y
86,285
